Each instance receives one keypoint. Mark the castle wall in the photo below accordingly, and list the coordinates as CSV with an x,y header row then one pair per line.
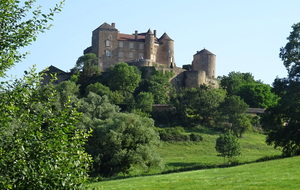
x,y
193,79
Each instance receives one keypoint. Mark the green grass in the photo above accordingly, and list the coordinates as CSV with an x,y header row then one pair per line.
x,y
182,154
276,174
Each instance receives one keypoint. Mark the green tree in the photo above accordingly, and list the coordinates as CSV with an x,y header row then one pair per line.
x,y
228,146
258,95
200,106
87,65
282,121
144,102
233,82
40,147
233,115
122,142
124,78
20,23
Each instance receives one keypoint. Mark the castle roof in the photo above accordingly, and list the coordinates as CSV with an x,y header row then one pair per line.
x,y
130,37
53,69
149,32
165,36
106,26
204,51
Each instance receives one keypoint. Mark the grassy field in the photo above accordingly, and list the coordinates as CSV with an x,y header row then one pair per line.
x,y
180,154
276,174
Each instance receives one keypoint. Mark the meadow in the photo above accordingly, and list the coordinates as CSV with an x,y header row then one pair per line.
x,y
195,157
275,174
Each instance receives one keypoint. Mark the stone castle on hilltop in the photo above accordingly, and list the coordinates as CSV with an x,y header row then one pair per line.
x,y
146,50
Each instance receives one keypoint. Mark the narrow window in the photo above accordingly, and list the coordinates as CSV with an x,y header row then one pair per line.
x,y
121,44
130,54
131,45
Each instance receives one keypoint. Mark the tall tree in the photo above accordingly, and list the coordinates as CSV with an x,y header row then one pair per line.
x,y
87,65
282,122
20,23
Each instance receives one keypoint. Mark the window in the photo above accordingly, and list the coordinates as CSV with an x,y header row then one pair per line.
x,y
121,54
110,37
130,54
141,56
107,43
131,45
121,44
108,53
141,46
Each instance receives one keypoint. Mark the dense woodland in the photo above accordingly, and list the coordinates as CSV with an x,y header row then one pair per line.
x,y
55,136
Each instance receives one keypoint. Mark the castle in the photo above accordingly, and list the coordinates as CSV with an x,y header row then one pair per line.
x,y
146,50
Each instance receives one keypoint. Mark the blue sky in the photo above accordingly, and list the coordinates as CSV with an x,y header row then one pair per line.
x,y
245,35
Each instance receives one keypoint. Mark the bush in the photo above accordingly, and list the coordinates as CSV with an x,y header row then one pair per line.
x,y
196,137
173,134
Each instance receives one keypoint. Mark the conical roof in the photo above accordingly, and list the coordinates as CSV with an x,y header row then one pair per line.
x,y
149,31
165,36
205,51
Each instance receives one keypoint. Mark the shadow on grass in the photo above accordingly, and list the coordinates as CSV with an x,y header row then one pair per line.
x,y
190,167
181,164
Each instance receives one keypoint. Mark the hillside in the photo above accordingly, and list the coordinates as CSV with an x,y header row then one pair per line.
x,y
276,174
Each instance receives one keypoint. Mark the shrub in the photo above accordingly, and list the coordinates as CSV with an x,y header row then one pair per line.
x,y
173,134
196,137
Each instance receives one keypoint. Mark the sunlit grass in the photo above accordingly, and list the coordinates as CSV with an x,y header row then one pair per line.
x,y
276,174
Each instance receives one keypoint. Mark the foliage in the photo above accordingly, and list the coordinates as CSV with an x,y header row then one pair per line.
x,y
124,78
258,95
233,82
121,142
290,54
87,65
228,146
199,106
233,115
20,23
282,121
173,134
158,85
40,147
144,101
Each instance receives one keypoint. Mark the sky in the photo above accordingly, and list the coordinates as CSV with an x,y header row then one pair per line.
x,y
245,36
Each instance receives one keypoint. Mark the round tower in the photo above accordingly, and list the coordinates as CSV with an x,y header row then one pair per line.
x,y
204,60
167,50
149,45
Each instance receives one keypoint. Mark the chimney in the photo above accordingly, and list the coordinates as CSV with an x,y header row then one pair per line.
x,y
136,35
113,25
154,33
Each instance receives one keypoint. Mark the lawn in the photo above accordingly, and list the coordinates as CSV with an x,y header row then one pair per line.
x,y
181,154
276,174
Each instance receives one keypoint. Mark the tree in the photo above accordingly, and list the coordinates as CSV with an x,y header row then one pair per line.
x,y
228,146
258,95
282,121
20,23
200,105
144,102
87,65
122,142
124,78
40,147
233,82
233,115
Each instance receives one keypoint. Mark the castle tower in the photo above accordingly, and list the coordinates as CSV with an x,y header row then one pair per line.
x,y
149,46
166,49
204,60
104,42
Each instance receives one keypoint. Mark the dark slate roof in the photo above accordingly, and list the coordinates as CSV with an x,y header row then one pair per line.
x,y
106,26
205,51
165,36
256,110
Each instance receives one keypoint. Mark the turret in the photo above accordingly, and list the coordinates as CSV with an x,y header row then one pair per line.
x,y
149,45
167,45
204,60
